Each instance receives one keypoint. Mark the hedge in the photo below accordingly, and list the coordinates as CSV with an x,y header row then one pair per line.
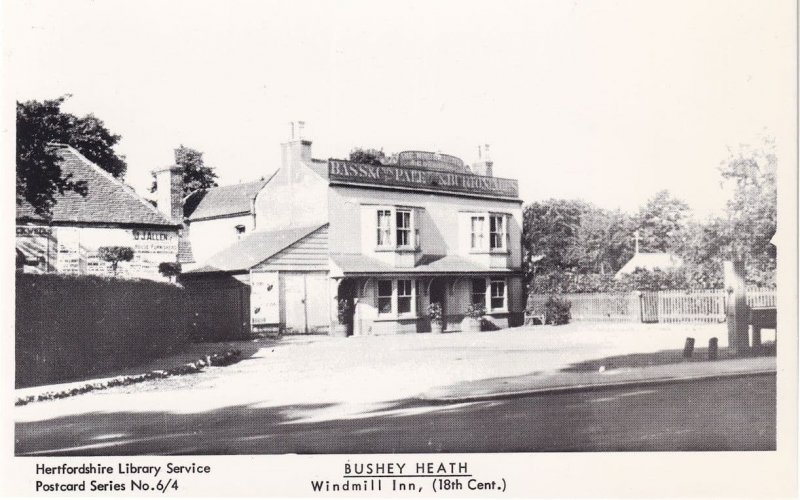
x,y
69,327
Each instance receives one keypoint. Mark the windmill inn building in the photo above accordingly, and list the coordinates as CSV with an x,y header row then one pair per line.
x,y
388,240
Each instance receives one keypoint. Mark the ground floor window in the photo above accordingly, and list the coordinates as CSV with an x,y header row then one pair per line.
x,y
498,295
384,296
491,293
398,296
404,296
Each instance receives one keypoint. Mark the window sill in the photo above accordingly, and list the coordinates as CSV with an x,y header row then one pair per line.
x,y
489,252
398,249
397,317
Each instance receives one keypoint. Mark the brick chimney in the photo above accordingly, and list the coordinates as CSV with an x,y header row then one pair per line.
x,y
169,192
296,150
483,166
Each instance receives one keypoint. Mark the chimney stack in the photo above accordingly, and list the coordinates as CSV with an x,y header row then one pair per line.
x,y
296,150
169,192
484,164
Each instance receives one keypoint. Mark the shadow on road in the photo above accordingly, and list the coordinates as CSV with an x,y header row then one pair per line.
x,y
734,414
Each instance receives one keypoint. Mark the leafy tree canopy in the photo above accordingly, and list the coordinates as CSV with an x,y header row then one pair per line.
x,y
196,174
368,156
39,177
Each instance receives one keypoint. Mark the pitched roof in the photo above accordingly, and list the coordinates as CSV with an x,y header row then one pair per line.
x,y
108,199
320,167
349,264
650,261
235,199
254,249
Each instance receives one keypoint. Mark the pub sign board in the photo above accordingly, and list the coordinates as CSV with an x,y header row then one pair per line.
x,y
347,172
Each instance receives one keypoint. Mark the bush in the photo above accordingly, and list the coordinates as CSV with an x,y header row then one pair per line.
x,y
169,269
476,311
557,311
435,312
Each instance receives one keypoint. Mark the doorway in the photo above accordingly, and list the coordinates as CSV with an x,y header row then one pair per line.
x,y
438,293
347,294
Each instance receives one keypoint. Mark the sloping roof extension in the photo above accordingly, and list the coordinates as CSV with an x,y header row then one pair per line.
x,y
650,261
223,201
355,264
108,201
253,249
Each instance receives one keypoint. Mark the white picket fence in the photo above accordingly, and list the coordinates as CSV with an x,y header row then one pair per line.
x,y
665,306
702,306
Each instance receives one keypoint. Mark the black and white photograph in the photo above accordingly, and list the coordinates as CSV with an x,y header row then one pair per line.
x,y
416,248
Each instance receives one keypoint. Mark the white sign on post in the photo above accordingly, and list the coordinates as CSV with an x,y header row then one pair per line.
x,y
264,298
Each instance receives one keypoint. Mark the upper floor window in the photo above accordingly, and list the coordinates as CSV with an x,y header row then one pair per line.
x,y
384,228
403,228
399,222
488,232
497,232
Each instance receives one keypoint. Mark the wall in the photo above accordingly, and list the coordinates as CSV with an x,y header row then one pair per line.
x,y
68,327
73,250
210,236
440,220
295,197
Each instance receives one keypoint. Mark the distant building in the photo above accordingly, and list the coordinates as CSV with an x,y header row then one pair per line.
x,y
650,261
111,214
384,240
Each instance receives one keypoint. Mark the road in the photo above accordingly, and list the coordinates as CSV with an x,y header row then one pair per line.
x,y
724,414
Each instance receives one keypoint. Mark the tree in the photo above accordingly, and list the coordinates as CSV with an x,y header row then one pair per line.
x,y
39,177
169,269
115,255
661,223
752,212
368,156
196,174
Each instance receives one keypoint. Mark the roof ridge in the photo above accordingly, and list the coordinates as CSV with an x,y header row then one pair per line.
x,y
116,181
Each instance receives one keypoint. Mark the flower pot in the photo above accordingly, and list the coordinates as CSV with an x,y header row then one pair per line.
x,y
436,327
339,330
470,325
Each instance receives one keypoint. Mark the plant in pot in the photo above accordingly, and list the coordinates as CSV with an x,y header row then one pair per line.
x,y
435,315
472,321
340,329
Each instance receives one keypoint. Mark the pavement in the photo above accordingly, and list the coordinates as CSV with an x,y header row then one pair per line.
x,y
326,378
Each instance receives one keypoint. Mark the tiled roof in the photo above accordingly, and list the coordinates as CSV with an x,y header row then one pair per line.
x,y
108,200
253,249
650,261
235,199
349,264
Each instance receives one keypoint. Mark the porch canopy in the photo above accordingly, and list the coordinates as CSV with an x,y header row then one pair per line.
x,y
352,265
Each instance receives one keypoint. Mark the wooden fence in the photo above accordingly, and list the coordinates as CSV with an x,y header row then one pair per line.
x,y
665,306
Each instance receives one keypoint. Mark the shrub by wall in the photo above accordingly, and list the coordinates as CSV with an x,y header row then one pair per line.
x,y
68,327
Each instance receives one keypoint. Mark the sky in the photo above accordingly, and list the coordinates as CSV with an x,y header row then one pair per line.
x,y
607,101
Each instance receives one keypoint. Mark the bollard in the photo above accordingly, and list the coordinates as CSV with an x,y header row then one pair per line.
x,y
688,348
712,348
